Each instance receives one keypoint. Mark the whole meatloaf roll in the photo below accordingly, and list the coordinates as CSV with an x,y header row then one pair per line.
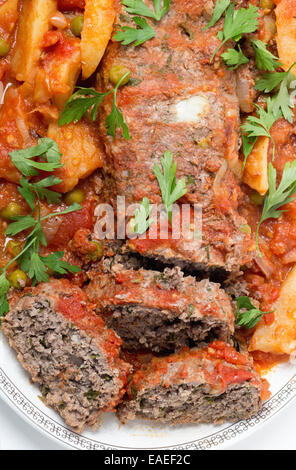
x,y
178,100
68,351
161,311
210,385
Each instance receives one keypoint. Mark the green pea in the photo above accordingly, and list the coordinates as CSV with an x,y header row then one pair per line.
x,y
4,47
76,25
96,255
257,199
17,279
267,4
117,72
13,247
76,195
10,211
245,228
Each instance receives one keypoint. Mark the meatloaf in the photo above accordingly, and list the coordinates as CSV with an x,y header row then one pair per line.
x,y
178,100
161,311
210,385
68,351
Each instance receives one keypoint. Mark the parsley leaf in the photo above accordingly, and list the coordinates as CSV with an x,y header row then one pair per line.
x,y
278,196
138,36
171,190
219,9
27,190
116,120
79,103
138,7
88,99
236,23
265,60
140,222
259,125
247,314
282,101
55,263
234,58
22,159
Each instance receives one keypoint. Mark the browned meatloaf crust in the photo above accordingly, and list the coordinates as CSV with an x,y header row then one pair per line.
x,y
208,385
68,351
161,311
167,70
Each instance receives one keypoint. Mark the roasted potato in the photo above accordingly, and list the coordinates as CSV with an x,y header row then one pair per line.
x,y
96,32
57,76
280,336
256,169
33,24
286,33
81,151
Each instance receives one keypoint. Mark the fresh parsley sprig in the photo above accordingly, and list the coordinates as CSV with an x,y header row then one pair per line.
x,y
234,58
282,100
171,190
259,125
220,7
29,258
277,196
138,7
88,99
143,32
247,314
141,220
138,36
265,60
237,23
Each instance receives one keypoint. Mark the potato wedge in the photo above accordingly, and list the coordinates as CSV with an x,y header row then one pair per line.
x,y
256,169
8,17
33,23
60,70
96,32
286,33
82,152
280,336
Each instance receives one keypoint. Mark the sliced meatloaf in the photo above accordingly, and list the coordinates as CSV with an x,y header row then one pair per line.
x,y
68,351
210,385
161,311
178,100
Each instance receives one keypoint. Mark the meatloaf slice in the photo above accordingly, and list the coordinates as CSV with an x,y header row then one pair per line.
x,y
210,385
161,311
68,351
178,100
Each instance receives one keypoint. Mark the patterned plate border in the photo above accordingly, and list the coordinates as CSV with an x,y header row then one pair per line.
x,y
43,422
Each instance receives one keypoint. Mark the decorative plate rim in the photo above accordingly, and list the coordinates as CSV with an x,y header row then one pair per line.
x,y
10,393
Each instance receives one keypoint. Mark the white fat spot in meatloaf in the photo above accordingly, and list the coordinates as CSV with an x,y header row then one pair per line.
x,y
191,109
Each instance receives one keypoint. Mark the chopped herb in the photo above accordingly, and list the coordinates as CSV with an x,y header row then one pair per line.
x,y
278,196
234,58
141,220
138,7
282,101
220,7
138,36
91,394
88,99
247,314
171,190
265,60
259,125
237,23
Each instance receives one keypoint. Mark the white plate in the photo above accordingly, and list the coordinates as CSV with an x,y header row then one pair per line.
x,y
20,394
